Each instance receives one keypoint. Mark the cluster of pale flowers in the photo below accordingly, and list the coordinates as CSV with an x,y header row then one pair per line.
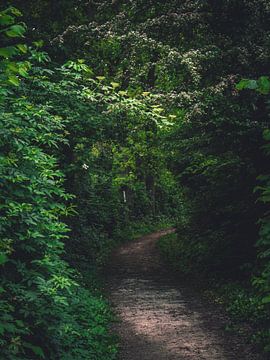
x,y
85,166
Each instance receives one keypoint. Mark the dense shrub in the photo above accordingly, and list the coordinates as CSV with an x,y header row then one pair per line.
x,y
112,147
65,131
40,294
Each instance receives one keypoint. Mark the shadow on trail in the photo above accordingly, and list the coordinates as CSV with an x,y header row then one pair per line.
x,y
158,317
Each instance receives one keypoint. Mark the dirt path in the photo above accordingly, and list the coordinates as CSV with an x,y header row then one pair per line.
x,y
160,319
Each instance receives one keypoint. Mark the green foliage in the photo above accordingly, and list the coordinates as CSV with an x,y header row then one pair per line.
x,y
261,280
11,70
244,306
140,228
162,130
170,249
113,147
262,85
65,131
40,293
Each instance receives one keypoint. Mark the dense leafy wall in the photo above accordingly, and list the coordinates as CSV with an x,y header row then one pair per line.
x,y
64,132
40,293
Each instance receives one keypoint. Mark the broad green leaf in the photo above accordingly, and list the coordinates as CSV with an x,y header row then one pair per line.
x,y
8,52
13,67
23,70
38,43
266,134
15,31
14,11
266,299
252,85
3,258
264,85
115,85
22,48
36,349
247,84
14,80
242,84
6,19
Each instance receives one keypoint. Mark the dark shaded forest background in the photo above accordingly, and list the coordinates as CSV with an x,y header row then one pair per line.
x,y
122,116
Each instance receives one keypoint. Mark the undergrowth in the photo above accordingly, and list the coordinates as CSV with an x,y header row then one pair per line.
x,y
143,227
248,315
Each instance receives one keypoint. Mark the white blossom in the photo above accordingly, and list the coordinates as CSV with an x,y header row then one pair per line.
x,y
85,166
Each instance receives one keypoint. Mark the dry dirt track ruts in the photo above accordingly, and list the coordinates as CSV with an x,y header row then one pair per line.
x,y
158,318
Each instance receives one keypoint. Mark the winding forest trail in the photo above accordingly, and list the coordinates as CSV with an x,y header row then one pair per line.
x,y
160,319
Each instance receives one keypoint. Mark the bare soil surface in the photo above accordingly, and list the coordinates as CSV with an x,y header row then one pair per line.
x,y
160,318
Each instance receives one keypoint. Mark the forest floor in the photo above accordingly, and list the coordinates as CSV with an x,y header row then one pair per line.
x,y
161,318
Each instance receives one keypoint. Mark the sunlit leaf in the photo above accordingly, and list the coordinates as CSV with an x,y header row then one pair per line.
x,y
15,31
